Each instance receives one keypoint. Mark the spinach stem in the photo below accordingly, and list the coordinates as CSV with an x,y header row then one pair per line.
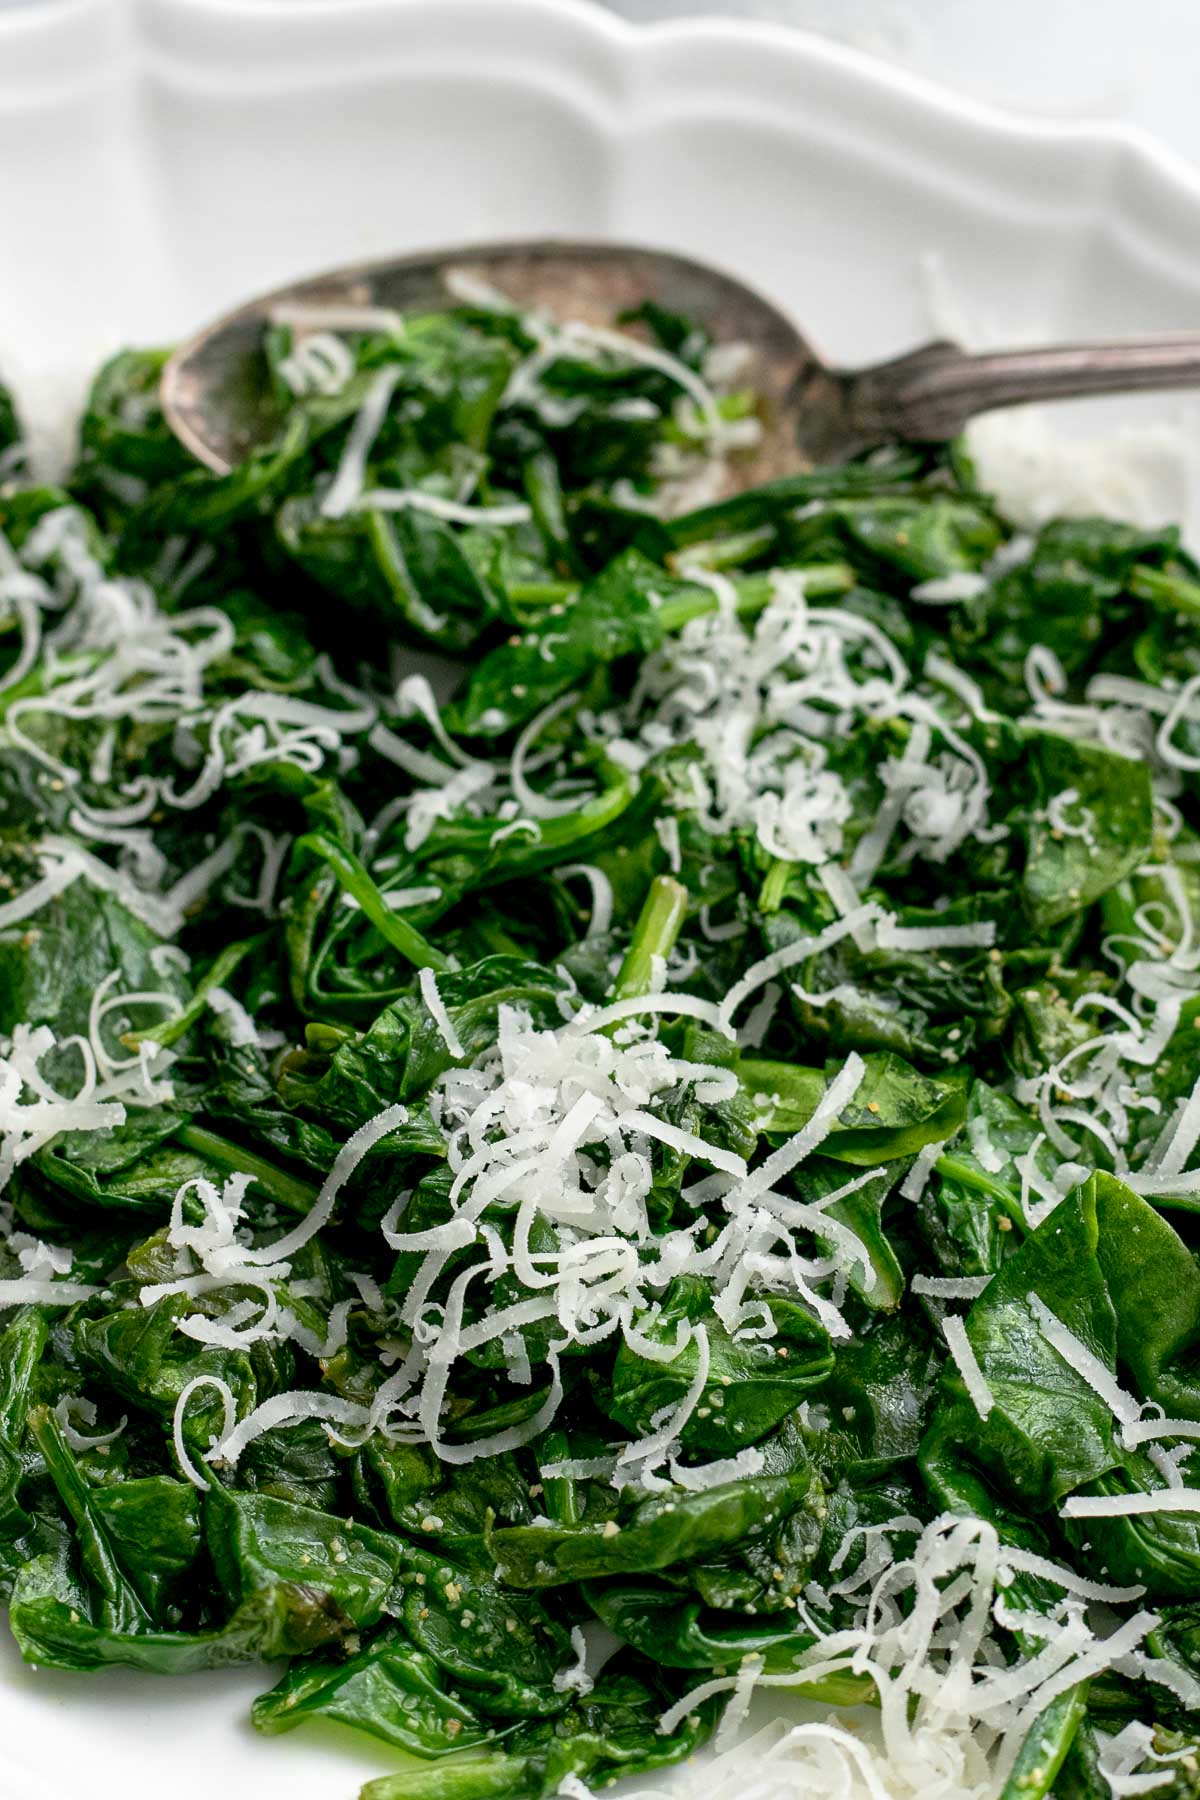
x,y
221,968
654,935
1167,591
540,593
495,1777
955,1170
354,879
296,1195
754,592
734,551
561,1496
774,887
1046,1744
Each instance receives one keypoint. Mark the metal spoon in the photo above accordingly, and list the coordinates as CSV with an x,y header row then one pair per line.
x,y
219,404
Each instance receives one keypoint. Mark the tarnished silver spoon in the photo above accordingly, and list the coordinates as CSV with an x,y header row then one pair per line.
x,y
219,404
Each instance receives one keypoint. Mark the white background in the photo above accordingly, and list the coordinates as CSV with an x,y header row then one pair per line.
x,y
1135,60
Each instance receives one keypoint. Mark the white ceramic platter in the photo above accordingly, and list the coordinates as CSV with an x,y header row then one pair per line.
x,y
160,160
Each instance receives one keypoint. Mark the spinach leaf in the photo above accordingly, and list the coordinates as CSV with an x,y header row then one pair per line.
x,y
895,1112
751,1385
257,1541
504,1649
1105,801
388,1689
1113,1273
613,1732
658,1534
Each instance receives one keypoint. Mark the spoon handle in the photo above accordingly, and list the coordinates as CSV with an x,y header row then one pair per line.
x,y
930,394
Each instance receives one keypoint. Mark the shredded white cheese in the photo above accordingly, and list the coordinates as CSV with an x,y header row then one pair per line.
x,y
959,1346
427,981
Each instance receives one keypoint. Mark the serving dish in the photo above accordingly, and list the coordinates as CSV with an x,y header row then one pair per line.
x,y
164,160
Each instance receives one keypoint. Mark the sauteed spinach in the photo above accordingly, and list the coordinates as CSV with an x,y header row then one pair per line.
x,y
600,1082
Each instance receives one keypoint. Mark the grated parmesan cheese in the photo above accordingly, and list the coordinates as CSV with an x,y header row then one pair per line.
x,y
956,1700
1131,1506
427,981
959,1346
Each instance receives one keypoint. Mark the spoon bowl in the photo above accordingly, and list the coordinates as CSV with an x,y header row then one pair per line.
x,y
218,401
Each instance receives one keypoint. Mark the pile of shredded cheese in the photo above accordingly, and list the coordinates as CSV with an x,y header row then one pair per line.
x,y
768,706
562,1121
955,1706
